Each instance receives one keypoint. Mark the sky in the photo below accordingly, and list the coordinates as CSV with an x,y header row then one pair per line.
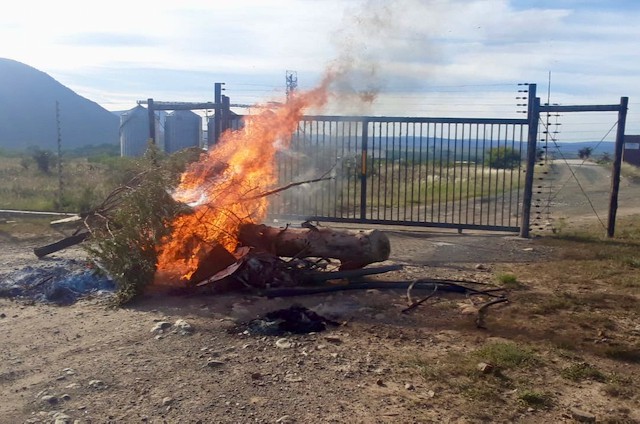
x,y
461,58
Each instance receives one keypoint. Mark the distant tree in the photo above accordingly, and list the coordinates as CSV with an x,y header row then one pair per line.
x,y
503,158
585,152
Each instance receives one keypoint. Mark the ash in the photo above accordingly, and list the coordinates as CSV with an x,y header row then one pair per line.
x,y
62,283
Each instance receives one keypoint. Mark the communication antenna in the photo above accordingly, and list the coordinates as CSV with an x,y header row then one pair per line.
x,y
292,83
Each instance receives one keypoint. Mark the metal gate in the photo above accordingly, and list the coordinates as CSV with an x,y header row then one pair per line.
x,y
438,172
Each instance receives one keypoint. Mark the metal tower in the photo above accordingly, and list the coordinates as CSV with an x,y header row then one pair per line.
x,y
292,82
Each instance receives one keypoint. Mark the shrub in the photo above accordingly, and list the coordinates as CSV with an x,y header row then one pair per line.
x,y
503,158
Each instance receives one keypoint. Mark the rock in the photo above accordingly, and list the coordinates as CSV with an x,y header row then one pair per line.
x,y
484,368
72,386
409,386
528,249
183,327
61,418
97,384
66,397
582,416
256,376
69,371
380,382
3,315
160,327
481,267
285,419
283,343
166,401
50,399
61,377
431,393
214,363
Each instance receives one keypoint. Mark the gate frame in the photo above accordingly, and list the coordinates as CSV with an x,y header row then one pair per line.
x,y
621,108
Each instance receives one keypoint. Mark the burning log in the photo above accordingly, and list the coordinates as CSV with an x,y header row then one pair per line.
x,y
353,248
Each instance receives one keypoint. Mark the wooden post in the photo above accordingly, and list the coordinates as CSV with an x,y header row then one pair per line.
x,y
617,163
533,115
152,121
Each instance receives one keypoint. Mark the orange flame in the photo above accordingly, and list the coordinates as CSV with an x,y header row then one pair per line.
x,y
224,186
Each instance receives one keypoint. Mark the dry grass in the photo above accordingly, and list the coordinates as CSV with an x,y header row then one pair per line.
x,y
570,332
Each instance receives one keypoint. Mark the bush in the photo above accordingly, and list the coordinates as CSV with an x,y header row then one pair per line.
x,y
503,158
126,246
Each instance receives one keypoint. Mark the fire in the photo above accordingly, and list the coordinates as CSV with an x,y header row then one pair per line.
x,y
225,185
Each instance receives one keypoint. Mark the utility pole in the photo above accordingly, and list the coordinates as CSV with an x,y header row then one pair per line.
x,y
60,182
291,78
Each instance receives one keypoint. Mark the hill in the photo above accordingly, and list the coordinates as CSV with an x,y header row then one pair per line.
x,y
28,112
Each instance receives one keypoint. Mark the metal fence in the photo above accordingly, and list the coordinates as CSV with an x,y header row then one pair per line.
x,y
440,172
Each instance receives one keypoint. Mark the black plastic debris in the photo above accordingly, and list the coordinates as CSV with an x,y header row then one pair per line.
x,y
63,283
292,320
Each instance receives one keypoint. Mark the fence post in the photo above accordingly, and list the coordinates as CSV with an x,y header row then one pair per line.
x,y
617,163
363,172
533,115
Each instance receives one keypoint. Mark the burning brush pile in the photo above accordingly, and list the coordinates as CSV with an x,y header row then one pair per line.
x,y
203,229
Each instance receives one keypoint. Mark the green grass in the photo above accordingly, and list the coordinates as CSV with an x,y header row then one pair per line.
x,y
535,398
582,371
507,355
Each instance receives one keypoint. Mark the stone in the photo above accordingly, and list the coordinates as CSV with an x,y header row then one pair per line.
x,y
97,384
431,393
582,416
66,397
161,326
214,363
166,401
283,343
484,367
50,399
183,327
409,386
3,315
72,386
61,418
481,267
285,419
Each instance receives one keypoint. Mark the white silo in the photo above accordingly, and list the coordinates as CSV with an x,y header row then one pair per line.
x,y
183,128
134,132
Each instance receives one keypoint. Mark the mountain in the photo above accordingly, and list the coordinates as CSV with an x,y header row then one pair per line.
x,y
28,112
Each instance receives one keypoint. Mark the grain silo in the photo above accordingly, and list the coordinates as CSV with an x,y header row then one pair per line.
x,y
134,132
183,128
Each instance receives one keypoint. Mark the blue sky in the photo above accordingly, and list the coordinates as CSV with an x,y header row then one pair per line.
x,y
426,58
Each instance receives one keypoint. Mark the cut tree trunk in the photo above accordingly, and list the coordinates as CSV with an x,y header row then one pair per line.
x,y
353,248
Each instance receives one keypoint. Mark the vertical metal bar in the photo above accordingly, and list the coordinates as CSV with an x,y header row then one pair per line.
x,y
393,166
433,171
461,175
533,115
217,118
517,213
455,172
617,163
475,174
386,167
363,176
495,203
447,167
420,173
379,192
413,166
440,173
152,121
406,169
489,183
483,167
466,217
